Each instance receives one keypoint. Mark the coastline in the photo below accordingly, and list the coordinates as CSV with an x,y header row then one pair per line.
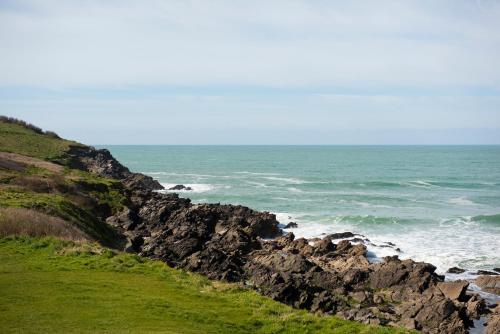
x,y
234,243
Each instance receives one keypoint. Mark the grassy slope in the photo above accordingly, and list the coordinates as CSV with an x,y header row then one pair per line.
x,y
52,286
69,189
18,139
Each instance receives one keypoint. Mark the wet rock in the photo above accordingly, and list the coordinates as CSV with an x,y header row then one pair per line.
x,y
489,283
291,225
486,272
496,270
180,187
341,235
455,270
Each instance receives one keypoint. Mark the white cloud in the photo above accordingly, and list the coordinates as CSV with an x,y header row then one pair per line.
x,y
266,43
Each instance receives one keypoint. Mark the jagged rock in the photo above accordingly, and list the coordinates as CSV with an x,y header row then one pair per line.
x,y
475,307
291,225
489,283
453,290
324,246
102,163
455,270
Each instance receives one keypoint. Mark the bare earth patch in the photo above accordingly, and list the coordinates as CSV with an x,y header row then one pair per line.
x,y
13,160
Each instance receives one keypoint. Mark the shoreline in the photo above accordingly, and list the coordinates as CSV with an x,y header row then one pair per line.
x,y
237,244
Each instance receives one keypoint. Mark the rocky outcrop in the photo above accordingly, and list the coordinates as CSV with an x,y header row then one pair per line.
x,y
237,244
291,225
489,283
102,163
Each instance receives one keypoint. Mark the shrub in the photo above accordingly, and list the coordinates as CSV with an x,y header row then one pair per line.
x,y
28,222
52,134
36,129
27,125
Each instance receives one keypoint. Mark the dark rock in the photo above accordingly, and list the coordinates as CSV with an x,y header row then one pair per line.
x,y
497,270
486,272
324,246
341,235
180,187
291,225
455,270
102,163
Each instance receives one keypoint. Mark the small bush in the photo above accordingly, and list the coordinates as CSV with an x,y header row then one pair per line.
x,y
52,134
27,125
36,129
20,221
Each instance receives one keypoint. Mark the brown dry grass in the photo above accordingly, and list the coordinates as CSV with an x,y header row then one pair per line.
x,y
49,184
25,160
19,221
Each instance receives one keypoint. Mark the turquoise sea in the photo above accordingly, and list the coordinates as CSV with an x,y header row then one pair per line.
x,y
439,204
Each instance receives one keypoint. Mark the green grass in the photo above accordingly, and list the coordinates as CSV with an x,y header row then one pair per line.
x,y
18,139
107,191
51,286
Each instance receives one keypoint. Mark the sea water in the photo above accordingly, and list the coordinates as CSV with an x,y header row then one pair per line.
x,y
439,204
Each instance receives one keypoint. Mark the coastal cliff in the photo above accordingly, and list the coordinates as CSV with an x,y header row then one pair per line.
x,y
107,203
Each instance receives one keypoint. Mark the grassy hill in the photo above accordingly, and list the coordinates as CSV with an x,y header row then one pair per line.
x,y
48,285
26,139
53,286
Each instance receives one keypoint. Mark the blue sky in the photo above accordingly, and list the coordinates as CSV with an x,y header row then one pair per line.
x,y
260,72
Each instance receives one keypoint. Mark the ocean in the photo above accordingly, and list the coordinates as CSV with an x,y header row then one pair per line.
x,y
439,204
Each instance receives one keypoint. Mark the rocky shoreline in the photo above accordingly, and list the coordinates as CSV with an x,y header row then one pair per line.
x,y
238,244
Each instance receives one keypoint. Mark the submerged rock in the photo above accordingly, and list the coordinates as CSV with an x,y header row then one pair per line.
x,y
341,235
291,225
455,270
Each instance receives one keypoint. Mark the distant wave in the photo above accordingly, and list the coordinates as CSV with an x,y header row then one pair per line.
x,y
495,219
285,179
256,173
461,201
196,187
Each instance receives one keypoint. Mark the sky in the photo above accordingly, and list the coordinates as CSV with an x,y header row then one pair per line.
x,y
254,72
